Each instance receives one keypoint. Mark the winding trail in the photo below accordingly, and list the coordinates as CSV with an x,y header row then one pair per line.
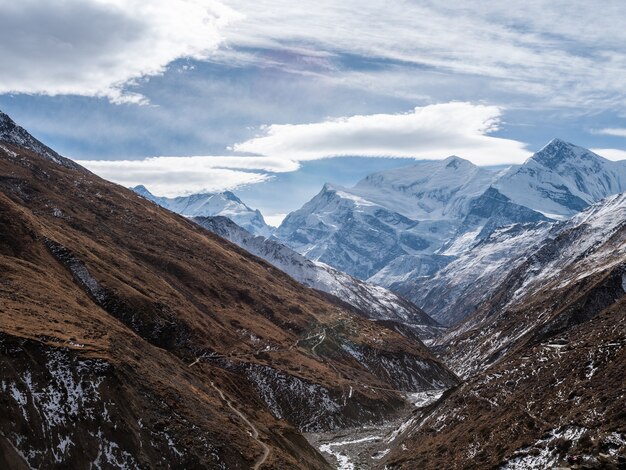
x,y
254,432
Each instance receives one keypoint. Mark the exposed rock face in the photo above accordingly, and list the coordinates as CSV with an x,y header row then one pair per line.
x,y
111,306
375,302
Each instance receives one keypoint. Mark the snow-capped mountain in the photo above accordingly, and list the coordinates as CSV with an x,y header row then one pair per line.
x,y
411,211
212,204
562,179
400,227
376,302
460,287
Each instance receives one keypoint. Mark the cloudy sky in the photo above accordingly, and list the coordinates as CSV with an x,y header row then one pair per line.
x,y
271,98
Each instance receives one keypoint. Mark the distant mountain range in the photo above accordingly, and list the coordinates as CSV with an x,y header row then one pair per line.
x,y
400,227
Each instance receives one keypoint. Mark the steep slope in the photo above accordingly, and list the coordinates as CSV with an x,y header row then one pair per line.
x,y
574,263
457,290
11,133
545,359
207,205
131,336
376,302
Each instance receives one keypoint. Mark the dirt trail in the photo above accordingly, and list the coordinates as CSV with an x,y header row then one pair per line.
x,y
254,432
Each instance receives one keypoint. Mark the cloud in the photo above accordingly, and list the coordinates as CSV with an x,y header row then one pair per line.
x,y
102,47
430,132
175,176
547,49
611,154
614,131
274,219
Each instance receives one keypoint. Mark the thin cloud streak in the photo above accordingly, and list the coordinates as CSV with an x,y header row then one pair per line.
x,y
175,176
613,131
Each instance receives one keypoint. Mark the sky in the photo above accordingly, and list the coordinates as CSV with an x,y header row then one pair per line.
x,y
272,98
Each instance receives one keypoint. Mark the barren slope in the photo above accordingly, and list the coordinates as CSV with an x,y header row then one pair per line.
x,y
105,302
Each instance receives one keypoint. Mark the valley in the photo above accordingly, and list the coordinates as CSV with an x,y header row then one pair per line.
x,y
427,313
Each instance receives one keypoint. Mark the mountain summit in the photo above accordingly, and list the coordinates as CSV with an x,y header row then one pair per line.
x,y
562,179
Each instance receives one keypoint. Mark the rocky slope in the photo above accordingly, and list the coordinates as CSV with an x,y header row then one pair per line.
x,y
580,262
375,302
207,205
17,135
130,336
543,358
458,289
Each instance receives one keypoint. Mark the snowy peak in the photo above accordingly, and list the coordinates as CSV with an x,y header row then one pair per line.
x,y
224,204
429,190
563,179
558,153
14,134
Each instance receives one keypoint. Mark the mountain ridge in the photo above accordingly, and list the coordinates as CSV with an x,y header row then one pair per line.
x,y
225,203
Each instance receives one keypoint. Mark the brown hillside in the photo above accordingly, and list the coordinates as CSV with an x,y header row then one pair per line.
x,y
129,334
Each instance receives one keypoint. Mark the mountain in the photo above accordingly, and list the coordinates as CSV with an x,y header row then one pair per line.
x,y
543,359
428,230
412,211
375,302
574,259
132,337
208,204
457,290
562,179
13,134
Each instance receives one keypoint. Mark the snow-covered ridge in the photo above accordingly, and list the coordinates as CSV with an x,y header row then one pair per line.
x,y
212,204
375,301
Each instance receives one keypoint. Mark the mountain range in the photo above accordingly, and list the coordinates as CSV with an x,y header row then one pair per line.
x,y
131,337
401,228
134,337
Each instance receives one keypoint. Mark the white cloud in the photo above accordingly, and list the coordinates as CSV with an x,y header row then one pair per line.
x,y
99,47
611,154
431,132
175,176
614,131
274,219
566,54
